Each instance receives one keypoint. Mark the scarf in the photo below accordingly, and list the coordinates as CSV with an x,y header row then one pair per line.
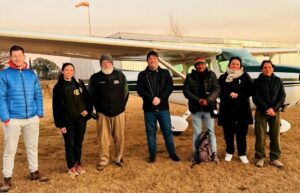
x,y
232,74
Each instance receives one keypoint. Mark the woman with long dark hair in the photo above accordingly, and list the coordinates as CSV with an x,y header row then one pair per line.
x,y
71,110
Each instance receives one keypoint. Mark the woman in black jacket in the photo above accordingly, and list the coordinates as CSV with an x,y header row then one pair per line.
x,y
71,110
235,112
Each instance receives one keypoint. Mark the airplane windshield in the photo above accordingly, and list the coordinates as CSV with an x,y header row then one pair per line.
x,y
223,58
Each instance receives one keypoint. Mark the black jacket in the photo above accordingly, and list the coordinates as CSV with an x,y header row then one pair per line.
x,y
268,93
109,92
237,109
162,89
191,89
61,116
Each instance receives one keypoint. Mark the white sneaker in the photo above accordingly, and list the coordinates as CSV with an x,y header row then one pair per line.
x,y
244,159
228,157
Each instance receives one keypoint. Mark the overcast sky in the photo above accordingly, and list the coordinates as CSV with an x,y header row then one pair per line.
x,y
265,20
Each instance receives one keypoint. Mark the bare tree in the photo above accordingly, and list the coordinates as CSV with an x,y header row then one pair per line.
x,y
175,29
4,57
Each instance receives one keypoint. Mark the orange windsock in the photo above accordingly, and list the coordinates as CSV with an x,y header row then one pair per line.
x,y
84,3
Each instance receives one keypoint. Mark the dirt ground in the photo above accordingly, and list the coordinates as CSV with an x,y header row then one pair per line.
x,y
164,175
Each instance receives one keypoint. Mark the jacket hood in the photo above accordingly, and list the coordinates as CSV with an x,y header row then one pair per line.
x,y
12,65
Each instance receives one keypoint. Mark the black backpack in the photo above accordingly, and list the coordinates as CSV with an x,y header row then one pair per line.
x,y
203,149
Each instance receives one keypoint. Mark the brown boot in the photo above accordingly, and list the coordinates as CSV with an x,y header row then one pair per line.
x,y
7,185
38,176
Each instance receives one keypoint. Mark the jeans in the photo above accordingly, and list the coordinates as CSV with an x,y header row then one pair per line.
x,y
208,122
164,120
73,141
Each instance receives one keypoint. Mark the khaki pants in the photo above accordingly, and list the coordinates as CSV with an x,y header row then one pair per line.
x,y
261,122
30,131
107,127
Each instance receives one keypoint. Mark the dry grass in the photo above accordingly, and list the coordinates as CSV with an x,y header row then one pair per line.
x,y
162,176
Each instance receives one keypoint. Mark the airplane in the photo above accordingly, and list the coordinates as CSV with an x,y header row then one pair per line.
x,y
91,47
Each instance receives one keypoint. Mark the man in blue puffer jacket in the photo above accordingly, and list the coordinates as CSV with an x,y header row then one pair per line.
x,y
21,104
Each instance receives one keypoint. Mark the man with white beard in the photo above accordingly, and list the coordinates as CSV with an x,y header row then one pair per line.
x,y
109,91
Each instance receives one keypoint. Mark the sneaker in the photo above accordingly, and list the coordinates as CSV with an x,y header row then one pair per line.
x,y
244,159
215,157
7,185
38,176
100,167
174,157
79,169
120,163
260,163
73,172
228,157
276,163
152,159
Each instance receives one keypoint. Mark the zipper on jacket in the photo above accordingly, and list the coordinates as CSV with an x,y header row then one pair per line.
x,y
151,89
150,85
24,93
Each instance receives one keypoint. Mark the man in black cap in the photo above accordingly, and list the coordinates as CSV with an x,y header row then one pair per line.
x,y
109,91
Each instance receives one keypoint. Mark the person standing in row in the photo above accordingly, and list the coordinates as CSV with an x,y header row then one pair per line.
x,y
235,112
109,91
155,85
201,88
21,104
71,109
268,96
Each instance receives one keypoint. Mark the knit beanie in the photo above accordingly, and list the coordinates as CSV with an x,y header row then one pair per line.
x,y
106,57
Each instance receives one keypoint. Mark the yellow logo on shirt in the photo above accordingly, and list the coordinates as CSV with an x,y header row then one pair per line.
x,y
76,92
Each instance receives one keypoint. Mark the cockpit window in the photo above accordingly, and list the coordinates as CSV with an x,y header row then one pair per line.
x,y
223,59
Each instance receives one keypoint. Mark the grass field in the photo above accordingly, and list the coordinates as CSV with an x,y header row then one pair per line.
x,y
162,176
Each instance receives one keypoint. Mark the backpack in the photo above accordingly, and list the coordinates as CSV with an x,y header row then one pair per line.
x,y
203,148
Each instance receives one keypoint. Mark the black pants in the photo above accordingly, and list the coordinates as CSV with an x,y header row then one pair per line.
x,y
241,130
73,141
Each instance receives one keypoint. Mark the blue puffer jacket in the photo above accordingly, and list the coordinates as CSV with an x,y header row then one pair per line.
x,y
20,94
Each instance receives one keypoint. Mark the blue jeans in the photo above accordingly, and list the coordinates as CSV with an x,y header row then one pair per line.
x,y
208,122
164,120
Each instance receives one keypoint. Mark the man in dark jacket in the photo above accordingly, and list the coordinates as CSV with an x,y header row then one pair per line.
x,y
155,85
21,104
201,88
269,96
109,91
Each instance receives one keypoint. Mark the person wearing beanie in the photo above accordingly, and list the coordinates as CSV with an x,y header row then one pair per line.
x,y
235,112
109,92
21,104
107,57
155,85
201,88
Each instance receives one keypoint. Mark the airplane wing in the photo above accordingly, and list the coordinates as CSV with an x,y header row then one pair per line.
x,y
272,51
92,47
